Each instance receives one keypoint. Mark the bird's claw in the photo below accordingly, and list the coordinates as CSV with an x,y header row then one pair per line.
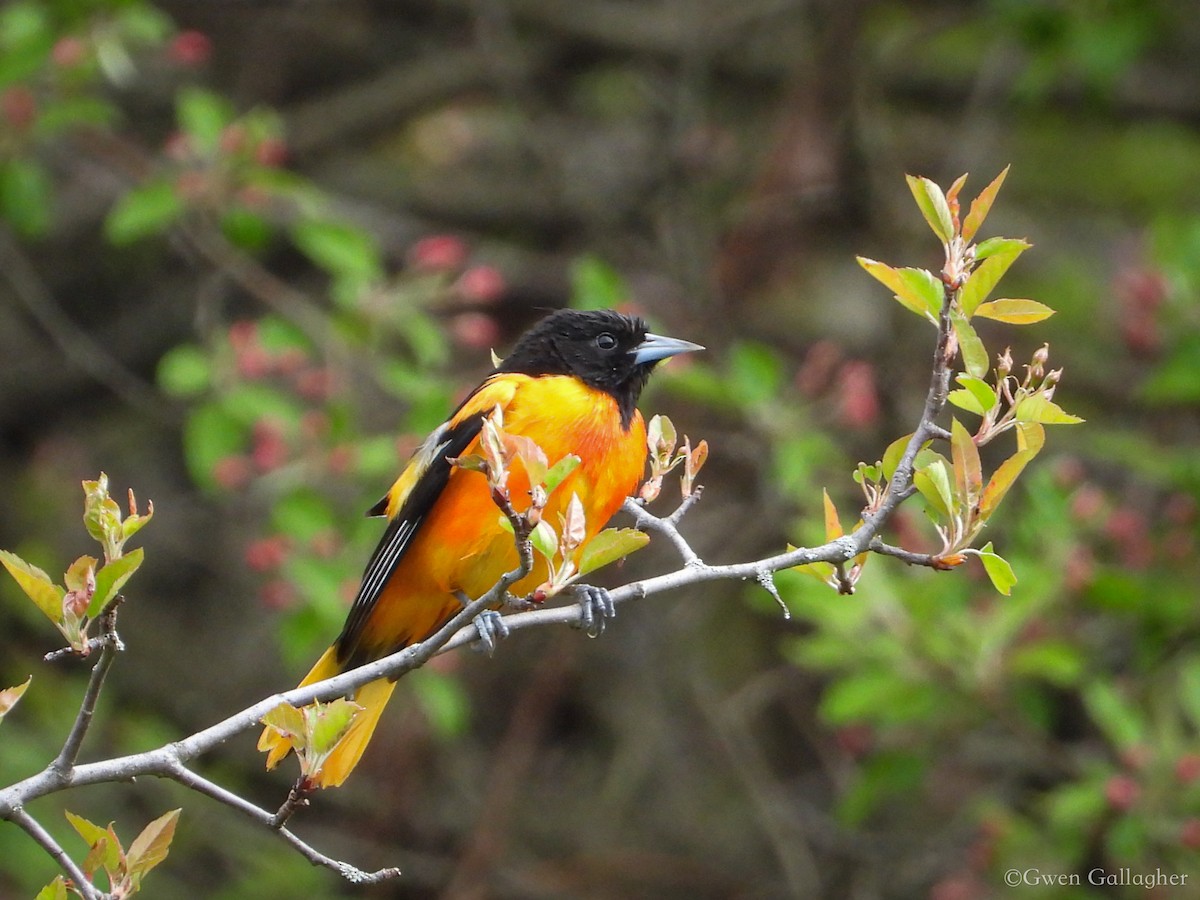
x,y
492,628
595,608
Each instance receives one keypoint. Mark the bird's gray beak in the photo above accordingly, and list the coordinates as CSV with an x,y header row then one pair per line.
x,y
656,347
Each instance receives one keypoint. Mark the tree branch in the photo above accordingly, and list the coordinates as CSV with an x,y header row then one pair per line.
x,y
169,761
47,842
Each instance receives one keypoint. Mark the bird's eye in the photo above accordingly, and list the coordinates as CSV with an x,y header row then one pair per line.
x,y
605,341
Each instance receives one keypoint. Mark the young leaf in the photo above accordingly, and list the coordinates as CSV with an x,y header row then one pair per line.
x,y
326,723
988,275
1013,311
202,116
609,546
89,831
1036,408
10,696
151,846
984,393
545,541
998,246
980,207
909,286
111,578
558,472
55,890
661,436
998,570
36,584
288,721
933,481
1029,442
968,473
974,354
933,206
184,371
833,526
1116,716
146,210
338,248
893,454
574,525
526,449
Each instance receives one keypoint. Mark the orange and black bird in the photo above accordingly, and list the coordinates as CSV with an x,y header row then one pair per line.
x,y
571,385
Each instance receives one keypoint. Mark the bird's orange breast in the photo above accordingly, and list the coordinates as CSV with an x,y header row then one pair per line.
x,y
461,545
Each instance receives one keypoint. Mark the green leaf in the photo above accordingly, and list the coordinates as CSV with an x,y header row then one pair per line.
x,y
55,890
980,207
1014,311
609,546
984,393
974,354
998,570
202,116
185,371
1115,716
26,196
1189,689
596,285
833,525
444,700
558,472
933,481
338,248
933,206
303,514
111,578
968,472
146,210
661,436
1058,662
755,372
912,288
1002,479
210,434
10,696
105,849
151,846
327,723
545,541
988,275
36,584
288,721
997,246
893,454
1036,408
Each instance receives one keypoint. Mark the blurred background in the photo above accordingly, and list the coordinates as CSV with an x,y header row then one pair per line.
x,y
251,252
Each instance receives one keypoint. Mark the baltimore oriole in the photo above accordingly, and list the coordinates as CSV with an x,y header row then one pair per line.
x,y
571,385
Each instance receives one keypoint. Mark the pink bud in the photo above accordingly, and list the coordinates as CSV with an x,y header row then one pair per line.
x,y
190,48
481,284
439,253
1122,792
68,52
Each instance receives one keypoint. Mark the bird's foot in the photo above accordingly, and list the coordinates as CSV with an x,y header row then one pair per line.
x,y
596,607
492,628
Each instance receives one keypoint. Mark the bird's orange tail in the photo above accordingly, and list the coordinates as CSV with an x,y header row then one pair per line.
x,y
372,697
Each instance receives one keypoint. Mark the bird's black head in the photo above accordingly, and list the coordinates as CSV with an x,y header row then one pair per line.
x,y
602,348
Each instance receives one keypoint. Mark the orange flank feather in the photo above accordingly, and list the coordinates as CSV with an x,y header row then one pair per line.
x,y
570,386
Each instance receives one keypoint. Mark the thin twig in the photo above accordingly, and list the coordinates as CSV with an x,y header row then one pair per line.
x,y
180,773
47,842
67,756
